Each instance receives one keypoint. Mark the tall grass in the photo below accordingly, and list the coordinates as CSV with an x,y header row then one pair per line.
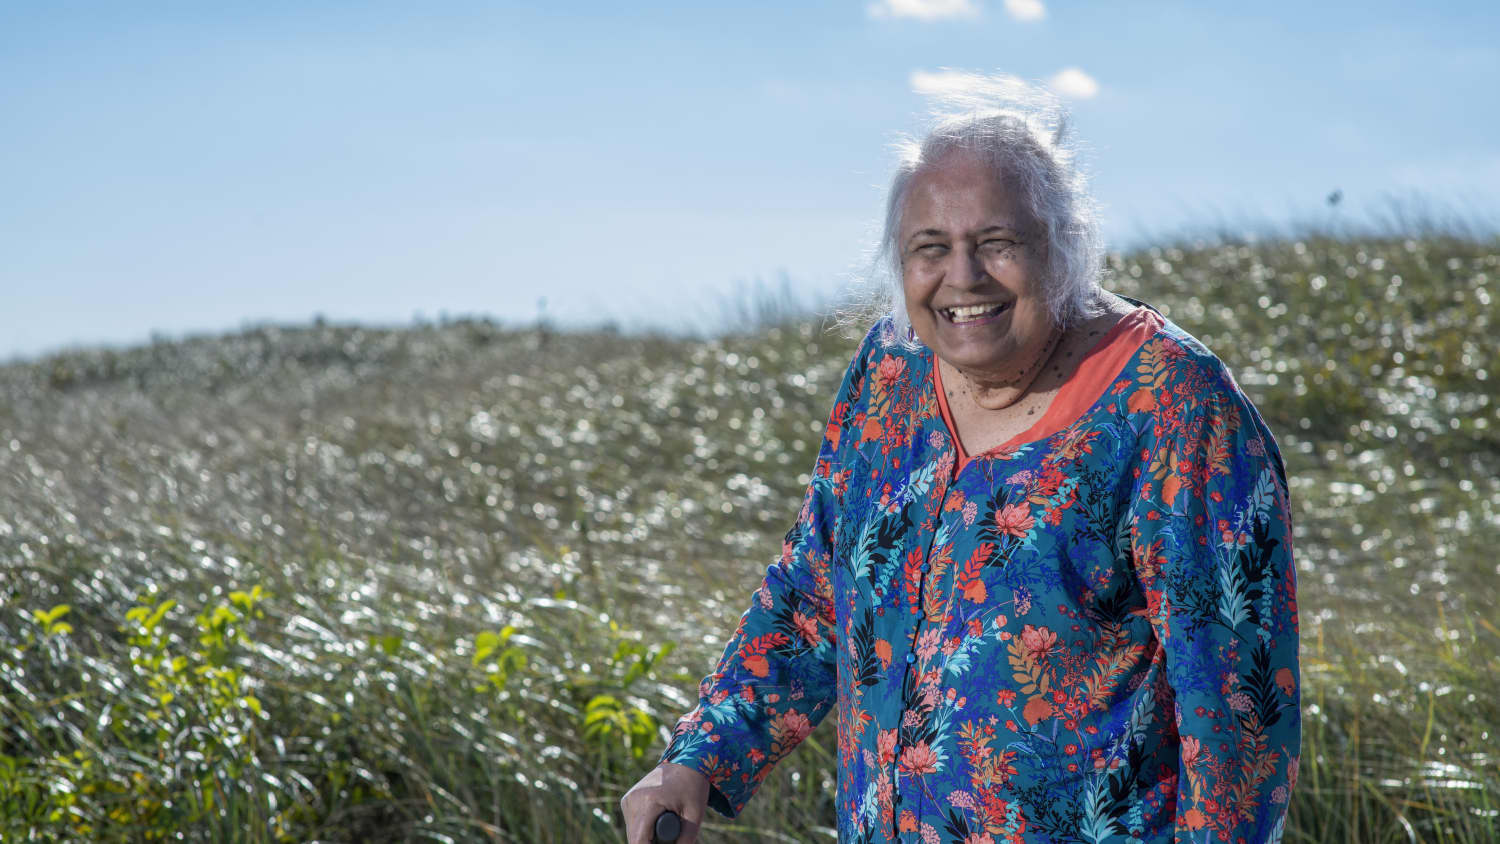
x,y
453,582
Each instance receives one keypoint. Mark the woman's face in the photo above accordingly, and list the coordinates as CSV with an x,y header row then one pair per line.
x,y
973,270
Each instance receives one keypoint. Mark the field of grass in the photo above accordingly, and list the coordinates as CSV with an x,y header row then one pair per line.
x,y
454,581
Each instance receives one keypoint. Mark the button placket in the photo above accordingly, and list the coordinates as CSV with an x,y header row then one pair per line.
x,y
912,674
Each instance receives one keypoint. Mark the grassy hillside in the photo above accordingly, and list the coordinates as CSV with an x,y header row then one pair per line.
x,y
453,582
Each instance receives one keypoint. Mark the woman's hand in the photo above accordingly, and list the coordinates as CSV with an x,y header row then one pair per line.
x,y
668,786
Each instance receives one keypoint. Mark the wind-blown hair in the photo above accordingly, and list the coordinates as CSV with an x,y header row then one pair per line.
x,y
1022,131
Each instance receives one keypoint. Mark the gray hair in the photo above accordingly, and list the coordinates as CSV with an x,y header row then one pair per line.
x,y
1021,131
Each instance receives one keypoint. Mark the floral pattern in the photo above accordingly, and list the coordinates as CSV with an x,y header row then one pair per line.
x,y
1089,637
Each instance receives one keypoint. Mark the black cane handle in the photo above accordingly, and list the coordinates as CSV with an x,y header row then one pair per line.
x,y
668,827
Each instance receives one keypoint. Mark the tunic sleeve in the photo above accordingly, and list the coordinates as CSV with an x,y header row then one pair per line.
x,y
1212,547
777,678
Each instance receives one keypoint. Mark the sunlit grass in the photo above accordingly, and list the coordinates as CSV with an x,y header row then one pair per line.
x,y
475,546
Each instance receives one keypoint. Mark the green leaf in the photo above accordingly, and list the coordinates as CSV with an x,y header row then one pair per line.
x,y
600,702
634,673
484,645
158,614
46,618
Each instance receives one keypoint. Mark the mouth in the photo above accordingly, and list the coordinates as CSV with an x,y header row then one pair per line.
x,y
974,314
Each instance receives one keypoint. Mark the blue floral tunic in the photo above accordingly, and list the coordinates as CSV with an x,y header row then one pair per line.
x,y
1087,634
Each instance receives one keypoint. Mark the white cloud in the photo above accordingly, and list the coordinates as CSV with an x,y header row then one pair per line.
x,y
1072,82
927,10
1025,10
945,83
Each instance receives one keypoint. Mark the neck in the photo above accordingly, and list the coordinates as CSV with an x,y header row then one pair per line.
x,y
991,393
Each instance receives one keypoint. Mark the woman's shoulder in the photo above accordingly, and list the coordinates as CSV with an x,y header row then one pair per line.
x,y
1188,380
1170,354
885,344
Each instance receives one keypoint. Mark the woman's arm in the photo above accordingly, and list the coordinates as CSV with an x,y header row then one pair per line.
x,y
777,678
1212,547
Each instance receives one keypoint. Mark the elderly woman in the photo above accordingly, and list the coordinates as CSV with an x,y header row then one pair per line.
x,y
1043,570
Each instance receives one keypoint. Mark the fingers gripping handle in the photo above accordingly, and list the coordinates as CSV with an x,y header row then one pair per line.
x,y
668,827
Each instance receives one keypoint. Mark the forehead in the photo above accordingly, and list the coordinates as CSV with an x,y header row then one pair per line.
x,y
961,190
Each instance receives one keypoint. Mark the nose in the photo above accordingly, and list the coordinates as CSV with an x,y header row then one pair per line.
x,y
967,271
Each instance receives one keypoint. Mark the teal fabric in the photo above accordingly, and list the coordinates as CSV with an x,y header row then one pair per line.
x,y
1090,637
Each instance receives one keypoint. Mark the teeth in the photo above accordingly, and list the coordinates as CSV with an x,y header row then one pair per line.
x,y
970,312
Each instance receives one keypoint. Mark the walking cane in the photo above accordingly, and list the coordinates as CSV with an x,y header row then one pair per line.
x,y
668,827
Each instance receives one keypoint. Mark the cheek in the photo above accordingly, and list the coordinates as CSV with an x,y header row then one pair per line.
x,y
914,289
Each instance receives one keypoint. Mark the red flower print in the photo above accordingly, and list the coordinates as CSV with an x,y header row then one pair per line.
x,y
908,821
975,591
806,627
1038,641
1014,519
885,742
889,371
1037,710
1190,750
1142,399
1006,697
919,759
756,664
954,503
1169,488
1286,681
795,727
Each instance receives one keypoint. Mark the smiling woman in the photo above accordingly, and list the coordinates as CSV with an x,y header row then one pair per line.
x,y
1043,570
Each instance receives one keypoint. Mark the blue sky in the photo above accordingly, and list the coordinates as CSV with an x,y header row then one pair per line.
x,y
190,167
